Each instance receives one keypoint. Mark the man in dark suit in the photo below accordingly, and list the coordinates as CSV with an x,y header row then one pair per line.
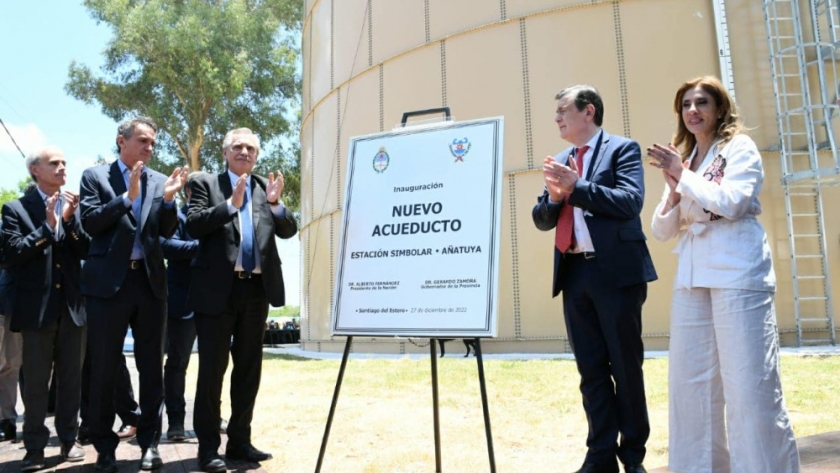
x,y
126,208
593,196
44,246
179,250
235,276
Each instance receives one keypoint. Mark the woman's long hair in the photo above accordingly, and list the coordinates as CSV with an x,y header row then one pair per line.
x,y
728,125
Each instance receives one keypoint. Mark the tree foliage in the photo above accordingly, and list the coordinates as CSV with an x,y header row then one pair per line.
x,y
200,68
8,195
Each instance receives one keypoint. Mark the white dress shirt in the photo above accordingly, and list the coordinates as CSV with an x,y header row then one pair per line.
x,y
245,208
56,231
276,209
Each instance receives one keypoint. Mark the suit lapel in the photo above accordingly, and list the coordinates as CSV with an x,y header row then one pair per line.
x,y
116,179
36,212
118,185
35,207
706,161
598,154
147,187
227,190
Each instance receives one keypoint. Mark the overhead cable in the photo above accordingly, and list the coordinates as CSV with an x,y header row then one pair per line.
x,y
12,138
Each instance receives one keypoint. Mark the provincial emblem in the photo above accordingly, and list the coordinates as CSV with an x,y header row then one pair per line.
x,y
381,160
460,148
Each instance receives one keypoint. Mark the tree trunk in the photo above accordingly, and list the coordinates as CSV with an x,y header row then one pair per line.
x,y
195,150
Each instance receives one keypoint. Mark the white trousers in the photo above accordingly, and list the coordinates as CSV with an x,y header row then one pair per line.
x,y
724,355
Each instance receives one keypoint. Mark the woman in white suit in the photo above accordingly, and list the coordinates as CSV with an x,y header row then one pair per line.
x,y
724,349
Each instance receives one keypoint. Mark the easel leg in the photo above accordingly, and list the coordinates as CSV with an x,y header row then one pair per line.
x,y
334,403
484,405
433,353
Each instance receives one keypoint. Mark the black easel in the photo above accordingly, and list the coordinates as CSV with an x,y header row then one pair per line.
x,y
433,352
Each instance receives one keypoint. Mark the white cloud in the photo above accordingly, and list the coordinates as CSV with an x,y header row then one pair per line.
x,y
75,168
28,137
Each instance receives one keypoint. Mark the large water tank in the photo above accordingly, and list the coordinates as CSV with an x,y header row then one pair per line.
x,y
368,61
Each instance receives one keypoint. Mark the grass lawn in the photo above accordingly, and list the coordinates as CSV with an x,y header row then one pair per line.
x,y
383,422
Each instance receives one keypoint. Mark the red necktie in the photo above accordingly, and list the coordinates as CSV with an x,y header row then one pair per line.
x,y
564,235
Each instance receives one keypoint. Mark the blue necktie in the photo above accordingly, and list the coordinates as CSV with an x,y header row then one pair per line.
x,y
248,260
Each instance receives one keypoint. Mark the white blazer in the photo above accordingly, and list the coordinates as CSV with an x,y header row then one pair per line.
x,y
721,243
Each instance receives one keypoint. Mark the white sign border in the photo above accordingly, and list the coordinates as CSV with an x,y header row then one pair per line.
x,y
491,317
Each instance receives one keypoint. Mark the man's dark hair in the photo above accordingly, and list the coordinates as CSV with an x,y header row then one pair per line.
x,y
127,126
585,95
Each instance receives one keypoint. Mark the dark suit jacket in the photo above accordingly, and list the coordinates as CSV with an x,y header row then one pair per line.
x,y
218,233
179,251
111,227
40,266
611,195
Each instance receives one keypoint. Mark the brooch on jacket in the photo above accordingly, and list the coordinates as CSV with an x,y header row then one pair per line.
x,y
715,173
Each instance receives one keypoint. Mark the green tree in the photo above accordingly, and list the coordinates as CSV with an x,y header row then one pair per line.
x,y
8,195
200,68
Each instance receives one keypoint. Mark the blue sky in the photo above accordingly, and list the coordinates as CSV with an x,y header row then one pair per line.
x,y
40,39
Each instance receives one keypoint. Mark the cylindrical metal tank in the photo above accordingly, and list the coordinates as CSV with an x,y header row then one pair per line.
x,y
365,62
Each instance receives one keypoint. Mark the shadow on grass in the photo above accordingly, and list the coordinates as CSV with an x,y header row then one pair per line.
x,y
284,357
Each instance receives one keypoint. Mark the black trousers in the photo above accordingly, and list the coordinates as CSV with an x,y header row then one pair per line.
x,y
180,337
135,306
604,325
59,346
125,404
236,332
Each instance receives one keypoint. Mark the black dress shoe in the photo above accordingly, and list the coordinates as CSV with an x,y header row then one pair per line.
x,y
33,461
72,452
211,462
8,429
84,436
597,468
151,459
106,463
245,452
634,469
175,433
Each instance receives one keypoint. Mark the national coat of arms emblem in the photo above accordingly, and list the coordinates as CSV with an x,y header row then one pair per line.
x,y
381,161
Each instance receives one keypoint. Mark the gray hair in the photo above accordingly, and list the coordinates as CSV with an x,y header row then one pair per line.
x,y
239,131
34,158
127,126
